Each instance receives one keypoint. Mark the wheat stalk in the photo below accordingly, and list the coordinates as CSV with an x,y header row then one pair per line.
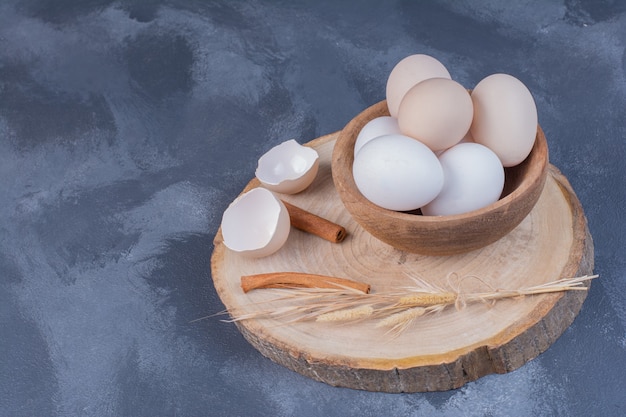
x,y
354,313
394,310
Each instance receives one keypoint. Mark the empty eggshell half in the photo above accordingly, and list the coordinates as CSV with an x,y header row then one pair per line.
x,y
256,224
288,168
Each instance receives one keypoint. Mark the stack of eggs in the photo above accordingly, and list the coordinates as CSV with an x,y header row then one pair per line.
x,y
443,149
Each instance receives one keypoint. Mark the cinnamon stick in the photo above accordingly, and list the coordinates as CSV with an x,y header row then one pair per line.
x,y
314,224
298,280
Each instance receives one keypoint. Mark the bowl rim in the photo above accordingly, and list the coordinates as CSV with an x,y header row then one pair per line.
x,y
343,178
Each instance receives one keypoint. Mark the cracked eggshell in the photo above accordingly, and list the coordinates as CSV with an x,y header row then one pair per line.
x,y
288,168
256,224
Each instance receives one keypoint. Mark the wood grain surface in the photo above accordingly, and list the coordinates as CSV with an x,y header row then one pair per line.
x,y
438,352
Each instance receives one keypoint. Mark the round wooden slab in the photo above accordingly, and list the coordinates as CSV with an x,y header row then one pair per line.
x,y
439,351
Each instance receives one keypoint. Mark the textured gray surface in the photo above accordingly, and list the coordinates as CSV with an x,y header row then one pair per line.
x,y
126,128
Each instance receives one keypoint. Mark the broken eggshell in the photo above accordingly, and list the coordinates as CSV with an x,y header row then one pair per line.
x,y
256,224
288,168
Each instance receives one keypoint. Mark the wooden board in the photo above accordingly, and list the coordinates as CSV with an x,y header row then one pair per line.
x,y
440,351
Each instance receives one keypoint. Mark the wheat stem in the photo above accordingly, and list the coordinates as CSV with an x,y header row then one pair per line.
x,y
395,310
347,314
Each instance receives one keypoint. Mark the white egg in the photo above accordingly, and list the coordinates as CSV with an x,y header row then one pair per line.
x,y
256,224
397,173
505,117
288,168
408,72
379,126
473,179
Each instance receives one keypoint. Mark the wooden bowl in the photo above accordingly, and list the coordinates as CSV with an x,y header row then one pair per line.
x,y
439,235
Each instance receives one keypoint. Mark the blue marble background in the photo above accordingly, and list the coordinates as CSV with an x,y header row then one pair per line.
x,y
127,127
